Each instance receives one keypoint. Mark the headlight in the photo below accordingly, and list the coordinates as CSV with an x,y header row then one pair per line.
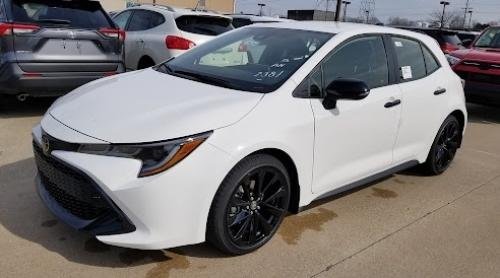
x,y
155,157
452,60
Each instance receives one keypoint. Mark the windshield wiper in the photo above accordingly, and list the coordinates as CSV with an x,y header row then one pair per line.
x,y
204,78
55,21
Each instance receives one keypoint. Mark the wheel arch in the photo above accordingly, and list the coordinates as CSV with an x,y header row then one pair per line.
x,y
291,168
145,60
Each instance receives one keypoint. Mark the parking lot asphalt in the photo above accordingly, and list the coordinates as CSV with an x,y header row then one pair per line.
x,y
406,225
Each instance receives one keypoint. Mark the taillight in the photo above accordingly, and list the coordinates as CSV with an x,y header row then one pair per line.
x,y
174,42
7,29
113,33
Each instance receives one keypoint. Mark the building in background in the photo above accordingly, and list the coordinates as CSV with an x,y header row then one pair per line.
x,y
311,15
222,6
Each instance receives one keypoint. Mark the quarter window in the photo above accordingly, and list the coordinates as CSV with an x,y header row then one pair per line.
x,y
364,59
430,61
410,58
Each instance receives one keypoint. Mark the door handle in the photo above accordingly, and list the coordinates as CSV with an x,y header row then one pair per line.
x,y
392,103
439,92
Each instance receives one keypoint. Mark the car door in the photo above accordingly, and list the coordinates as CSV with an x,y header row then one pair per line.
x,y
423,83
355,140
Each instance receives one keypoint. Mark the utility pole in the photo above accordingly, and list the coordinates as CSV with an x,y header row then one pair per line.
x,y
326,9
261,5
345,9
338,10
444,3
466,11
470,19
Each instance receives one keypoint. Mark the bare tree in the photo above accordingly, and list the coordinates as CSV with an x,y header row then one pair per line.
x,y
401,21
436,17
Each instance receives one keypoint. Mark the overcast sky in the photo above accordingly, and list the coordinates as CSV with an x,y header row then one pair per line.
x,y
483,10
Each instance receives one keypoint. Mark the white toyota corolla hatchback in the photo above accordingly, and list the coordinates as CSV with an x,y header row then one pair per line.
x,y
221,142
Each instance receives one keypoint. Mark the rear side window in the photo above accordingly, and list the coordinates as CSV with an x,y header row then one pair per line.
x,y
410,58
75,14
203,25
363,59
144,20
431,63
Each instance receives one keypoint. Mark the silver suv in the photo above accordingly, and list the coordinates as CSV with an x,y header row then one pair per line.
x,y
50,47
156,33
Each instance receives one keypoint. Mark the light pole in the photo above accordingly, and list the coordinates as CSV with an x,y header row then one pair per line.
x,y
345,9
444,3
261,5
470,19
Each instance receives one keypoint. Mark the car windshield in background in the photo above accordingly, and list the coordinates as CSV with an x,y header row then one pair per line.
x,y
204,25
451,38
256,59
73,14
489,39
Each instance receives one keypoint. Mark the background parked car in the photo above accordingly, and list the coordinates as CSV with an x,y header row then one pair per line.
x,y
448,39
156,33
240,20
479,66
467,37
50,47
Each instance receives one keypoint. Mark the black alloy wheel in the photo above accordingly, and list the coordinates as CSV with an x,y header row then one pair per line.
x,y
445,146
250,205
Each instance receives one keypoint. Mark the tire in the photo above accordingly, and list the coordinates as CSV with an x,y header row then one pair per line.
x,y
250,205
444,147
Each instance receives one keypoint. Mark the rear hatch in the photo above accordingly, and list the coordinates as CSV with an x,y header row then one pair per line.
x,y
65,36
202,27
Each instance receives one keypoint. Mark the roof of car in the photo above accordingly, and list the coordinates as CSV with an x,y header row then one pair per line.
x,y
340,27
258,18
176,10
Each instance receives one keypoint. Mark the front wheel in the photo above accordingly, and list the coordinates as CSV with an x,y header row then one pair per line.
x,y
250,205
445,146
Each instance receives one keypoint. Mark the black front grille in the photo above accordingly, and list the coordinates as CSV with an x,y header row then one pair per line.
x,y
72,190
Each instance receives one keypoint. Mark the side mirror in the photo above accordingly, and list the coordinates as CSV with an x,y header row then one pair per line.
x,y
344,88
467,43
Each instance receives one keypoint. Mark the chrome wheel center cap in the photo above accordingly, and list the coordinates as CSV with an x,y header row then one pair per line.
x,y
253,205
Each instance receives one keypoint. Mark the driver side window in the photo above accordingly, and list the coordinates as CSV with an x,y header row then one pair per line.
x,y
363,59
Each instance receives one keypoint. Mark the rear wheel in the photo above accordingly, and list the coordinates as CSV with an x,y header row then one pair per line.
x,y
445,146
250,205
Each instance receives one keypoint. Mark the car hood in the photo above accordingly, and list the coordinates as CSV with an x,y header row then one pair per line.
x,y
149,106
479,54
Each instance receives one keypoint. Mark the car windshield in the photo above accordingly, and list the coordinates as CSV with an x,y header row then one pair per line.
x,y
256,59
490,39
74,14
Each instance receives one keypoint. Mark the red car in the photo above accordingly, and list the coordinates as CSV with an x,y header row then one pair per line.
x,y
479,66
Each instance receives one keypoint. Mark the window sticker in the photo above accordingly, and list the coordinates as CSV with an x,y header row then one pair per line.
x,y
398,43
406,72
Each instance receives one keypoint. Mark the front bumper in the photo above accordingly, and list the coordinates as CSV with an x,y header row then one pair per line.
x,y
167,210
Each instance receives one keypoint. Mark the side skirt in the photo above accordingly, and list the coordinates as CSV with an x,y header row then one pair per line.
x,y
365,181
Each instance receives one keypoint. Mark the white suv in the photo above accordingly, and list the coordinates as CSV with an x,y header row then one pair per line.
x,y
197,148
156,33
